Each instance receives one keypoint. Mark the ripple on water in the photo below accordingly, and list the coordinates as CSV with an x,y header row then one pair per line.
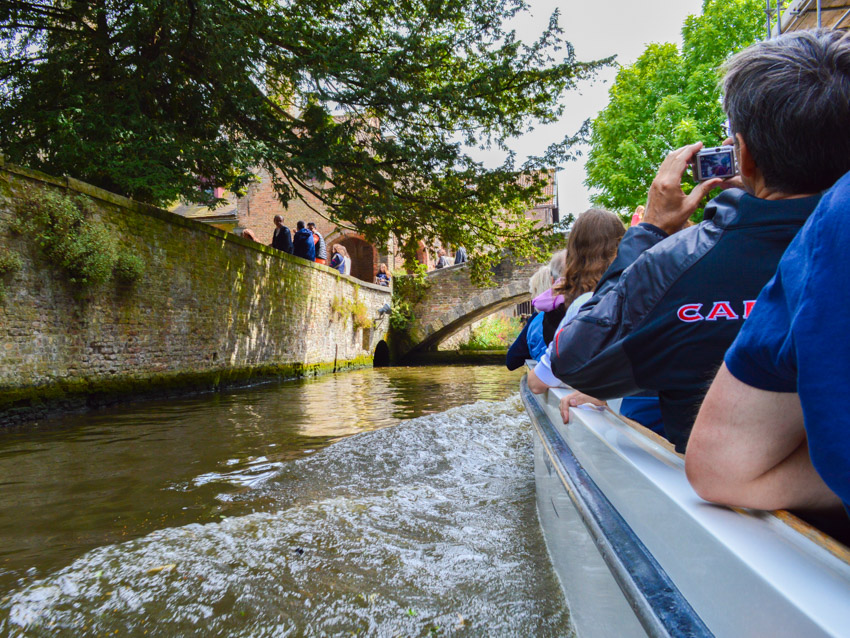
x,y
425,528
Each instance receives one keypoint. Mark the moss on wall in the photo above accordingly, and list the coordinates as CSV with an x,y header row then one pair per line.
x,y
209,310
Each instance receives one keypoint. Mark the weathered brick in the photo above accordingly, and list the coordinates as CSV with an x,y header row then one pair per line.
x,y
208,302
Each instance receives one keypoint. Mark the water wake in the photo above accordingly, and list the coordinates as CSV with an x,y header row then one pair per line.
x,y
424,528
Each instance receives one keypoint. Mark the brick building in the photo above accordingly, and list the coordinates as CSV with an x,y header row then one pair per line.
x,y
546,212
256,210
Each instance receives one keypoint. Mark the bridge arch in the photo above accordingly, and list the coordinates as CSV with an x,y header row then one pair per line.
x,y
452,301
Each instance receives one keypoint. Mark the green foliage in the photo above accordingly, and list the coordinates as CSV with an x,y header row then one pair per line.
x,y
341,308
65,231
360,314
165,100
10,263
493,332
407,292
667,99
128,268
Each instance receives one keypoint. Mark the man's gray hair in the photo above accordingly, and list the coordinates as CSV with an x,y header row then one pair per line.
x,y
789,98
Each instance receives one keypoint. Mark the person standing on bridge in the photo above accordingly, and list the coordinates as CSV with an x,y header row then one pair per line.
x,y
319,243
383,276
282,238
302,244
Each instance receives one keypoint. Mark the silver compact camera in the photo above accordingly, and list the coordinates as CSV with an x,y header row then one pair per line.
x,y
715,162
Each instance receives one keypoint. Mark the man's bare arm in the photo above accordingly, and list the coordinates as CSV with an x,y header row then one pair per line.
x,y
748,449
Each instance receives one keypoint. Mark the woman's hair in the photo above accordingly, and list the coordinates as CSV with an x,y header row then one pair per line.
x,y
592,247
340,249
383,268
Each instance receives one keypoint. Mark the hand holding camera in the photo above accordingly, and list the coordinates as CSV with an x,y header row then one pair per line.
x,y
667,205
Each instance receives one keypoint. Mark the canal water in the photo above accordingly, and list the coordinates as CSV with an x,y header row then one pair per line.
x,y
386,502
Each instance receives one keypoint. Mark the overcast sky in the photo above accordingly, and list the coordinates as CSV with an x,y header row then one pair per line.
x,y
597,29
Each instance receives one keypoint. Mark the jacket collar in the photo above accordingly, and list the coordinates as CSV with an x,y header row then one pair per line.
x,y
735,208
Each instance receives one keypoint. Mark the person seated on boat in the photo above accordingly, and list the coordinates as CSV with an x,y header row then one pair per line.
x,y
592,247
674,299
531,341
772,431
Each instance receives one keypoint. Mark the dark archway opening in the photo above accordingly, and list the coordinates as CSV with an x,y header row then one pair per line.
x,y
364,259
382,355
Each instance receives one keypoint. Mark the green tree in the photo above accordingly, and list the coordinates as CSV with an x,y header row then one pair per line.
x,y
667,99
167,99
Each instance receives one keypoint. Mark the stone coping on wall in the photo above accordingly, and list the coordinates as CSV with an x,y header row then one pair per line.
x,y
452,268
172,218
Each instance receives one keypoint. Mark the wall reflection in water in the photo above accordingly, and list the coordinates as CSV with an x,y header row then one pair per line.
x,y
82,481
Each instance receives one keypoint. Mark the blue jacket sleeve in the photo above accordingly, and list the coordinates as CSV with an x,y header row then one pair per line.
x,y
518,352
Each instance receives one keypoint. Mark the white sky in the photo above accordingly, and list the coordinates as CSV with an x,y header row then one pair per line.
x,y
597,29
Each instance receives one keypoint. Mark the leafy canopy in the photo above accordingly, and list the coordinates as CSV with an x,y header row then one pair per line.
x,y
667,99
168,99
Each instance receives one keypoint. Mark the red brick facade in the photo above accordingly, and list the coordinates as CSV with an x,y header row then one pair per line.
x,y
259,206
256,210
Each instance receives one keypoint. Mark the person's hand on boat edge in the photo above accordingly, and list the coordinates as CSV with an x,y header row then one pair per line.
x,y
577,399
667,205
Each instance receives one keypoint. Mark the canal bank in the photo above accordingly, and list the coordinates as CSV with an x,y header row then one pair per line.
x,y
180,307
391,501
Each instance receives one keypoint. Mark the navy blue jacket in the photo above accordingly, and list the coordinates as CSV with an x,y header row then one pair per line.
x,y
303,245
282,239
667,309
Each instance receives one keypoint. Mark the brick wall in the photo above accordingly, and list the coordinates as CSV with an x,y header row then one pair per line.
x,y
452,302
211,309
259,206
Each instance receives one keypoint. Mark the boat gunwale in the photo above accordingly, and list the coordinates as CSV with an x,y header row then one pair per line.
x,y
804,534
658,604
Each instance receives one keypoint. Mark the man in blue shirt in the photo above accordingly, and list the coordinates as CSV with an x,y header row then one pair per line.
x,y
774,430
302,243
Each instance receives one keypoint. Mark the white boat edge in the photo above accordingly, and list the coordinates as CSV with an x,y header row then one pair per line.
x,y
639,553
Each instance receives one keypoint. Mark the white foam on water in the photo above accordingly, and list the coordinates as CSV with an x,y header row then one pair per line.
x,y
425,528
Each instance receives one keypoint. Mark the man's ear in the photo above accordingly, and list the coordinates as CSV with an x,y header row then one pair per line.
x,y
745,160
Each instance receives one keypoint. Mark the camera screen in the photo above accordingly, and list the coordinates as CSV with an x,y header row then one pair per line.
x,y
716,164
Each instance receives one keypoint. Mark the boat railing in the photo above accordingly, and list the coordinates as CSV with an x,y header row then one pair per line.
x,y
628,484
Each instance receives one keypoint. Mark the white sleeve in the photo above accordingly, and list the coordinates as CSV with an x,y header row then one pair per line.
x,y
572,311
543,371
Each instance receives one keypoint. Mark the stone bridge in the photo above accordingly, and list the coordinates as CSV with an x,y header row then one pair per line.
x,y
452,302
